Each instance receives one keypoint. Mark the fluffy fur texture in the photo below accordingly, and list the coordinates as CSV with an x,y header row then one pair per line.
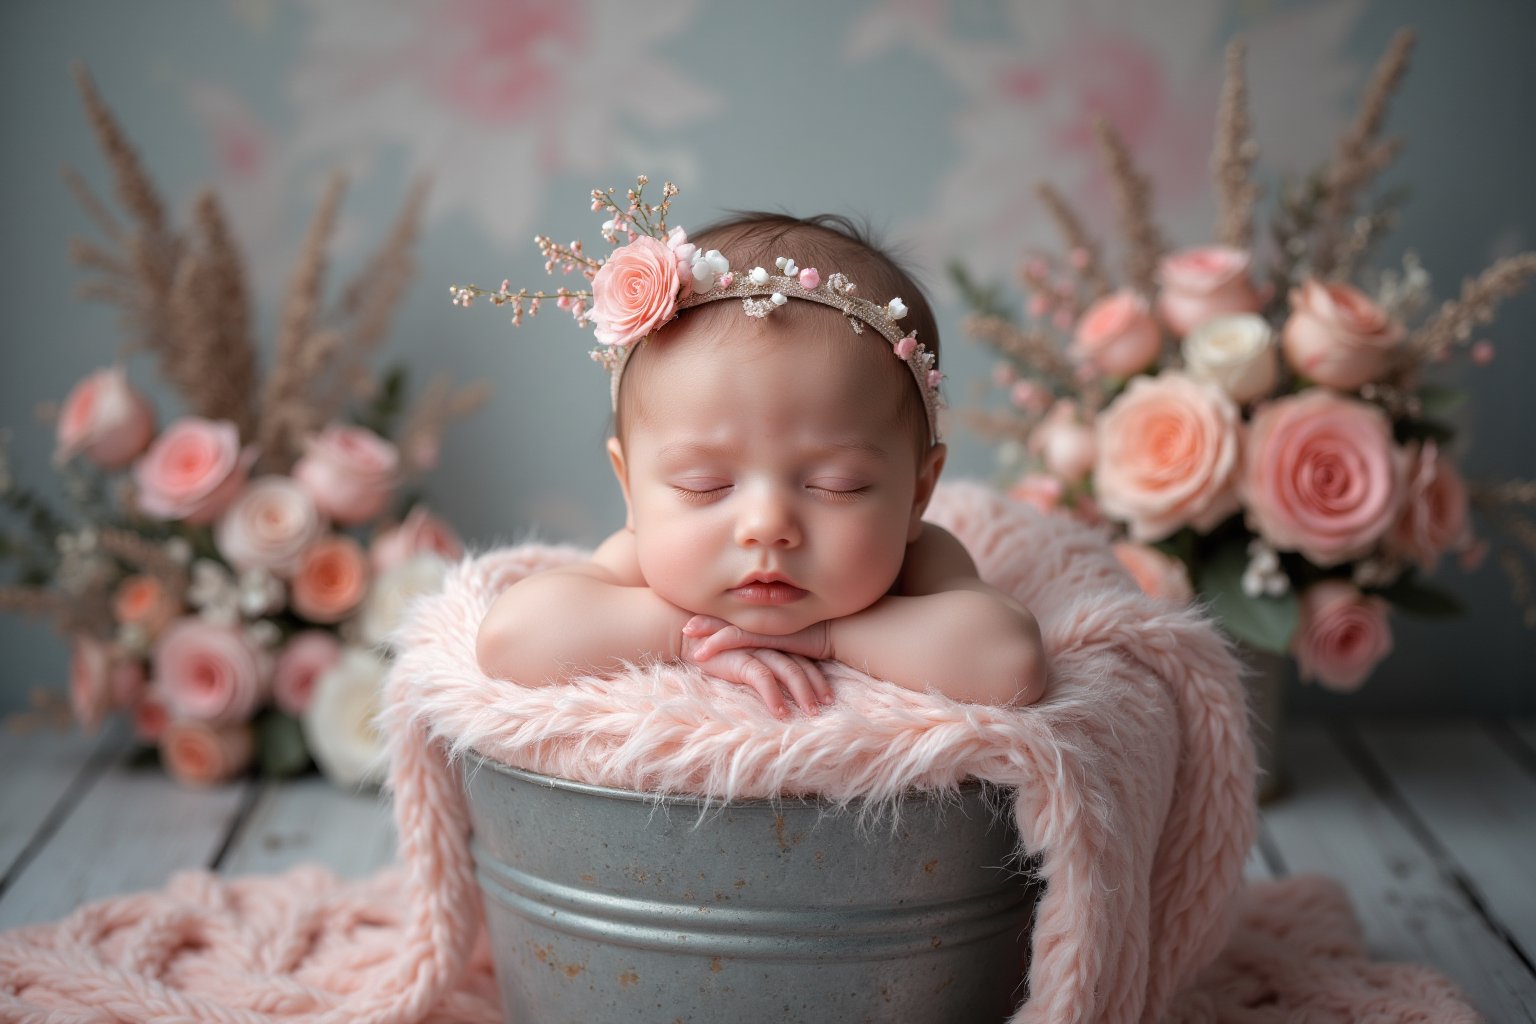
x,y
1133,781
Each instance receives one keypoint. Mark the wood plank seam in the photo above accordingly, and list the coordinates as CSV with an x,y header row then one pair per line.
x,y
1513,743
108,752
1450,869
238,820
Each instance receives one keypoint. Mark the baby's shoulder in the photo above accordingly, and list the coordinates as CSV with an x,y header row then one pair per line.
x,y
935,562
617,559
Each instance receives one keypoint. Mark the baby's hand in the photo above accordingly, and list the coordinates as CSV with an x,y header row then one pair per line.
x,y
732,654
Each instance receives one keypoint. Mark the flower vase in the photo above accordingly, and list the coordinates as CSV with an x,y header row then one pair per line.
x,y
1266,676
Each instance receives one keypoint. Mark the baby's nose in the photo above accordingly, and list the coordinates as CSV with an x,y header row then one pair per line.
x,y
767,520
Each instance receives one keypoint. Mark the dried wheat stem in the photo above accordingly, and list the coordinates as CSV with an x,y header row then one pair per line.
x,y
996,426
1077,240
1133,196
1234,156
1455,321
93,206
32,601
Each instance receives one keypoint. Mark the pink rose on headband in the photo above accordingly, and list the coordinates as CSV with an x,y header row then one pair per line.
x,y
1322,476
1434,515
210,673
1341,636
635,292
105,420
349,472
1168,456
192,471
1337,336
1118,335
1198,284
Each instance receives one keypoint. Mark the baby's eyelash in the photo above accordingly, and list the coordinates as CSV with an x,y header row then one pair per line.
x,y
847,495
699,495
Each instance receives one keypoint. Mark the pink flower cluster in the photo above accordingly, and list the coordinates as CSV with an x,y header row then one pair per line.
x,y
1209,400
254,622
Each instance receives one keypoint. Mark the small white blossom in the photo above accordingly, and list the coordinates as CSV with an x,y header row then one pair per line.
x,y
178,550
896,309
259,593
778,299
758,276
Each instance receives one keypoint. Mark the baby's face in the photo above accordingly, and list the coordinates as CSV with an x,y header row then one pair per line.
x,y
769,479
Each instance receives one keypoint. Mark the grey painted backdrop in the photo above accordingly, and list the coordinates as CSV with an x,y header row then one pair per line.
x,y
931,118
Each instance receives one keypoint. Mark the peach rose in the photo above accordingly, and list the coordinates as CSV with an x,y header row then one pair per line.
x,y
1434,514
1236,353
306,657
635,292
127,684
421,533
105,420
202,754
192,471
1064,442
1198,284
331,580
209,672
1337,336
1040,490
267,527
142,600
150,717
90,671
1322,476
1157,574
349,472
1168,456
1118,335
1341,635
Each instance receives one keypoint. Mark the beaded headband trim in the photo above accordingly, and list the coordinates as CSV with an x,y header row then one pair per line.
x,y
656,273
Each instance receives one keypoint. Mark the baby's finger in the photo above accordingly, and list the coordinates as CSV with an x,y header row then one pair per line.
x,y
819,681
702,625
761,678
791,673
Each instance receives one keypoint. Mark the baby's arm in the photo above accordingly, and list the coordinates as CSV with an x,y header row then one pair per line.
x,y
948,629
593,617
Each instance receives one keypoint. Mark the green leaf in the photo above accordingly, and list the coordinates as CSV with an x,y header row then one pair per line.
x,y
982,299
1263,622
280,750
1438,400
1421,599
1421,430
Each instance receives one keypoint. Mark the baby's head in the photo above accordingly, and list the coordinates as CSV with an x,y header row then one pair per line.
x,y
788,446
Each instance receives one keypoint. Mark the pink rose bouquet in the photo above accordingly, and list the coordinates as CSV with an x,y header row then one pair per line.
x,y
212,573
1258,423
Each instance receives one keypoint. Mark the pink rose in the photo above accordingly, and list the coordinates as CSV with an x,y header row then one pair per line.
x,y
1322,476
1064,442
209,672
1158,575
1168,456
192,471
105,420
421,533
331,579
141,600
90,672
1341,635
1198,284
150,717
307,656
349,472
1434,514
635,292
1337,336
200,753
1040,490
1118,335
272,521
127,684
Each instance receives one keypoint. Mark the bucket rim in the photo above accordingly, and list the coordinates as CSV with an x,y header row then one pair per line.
x,y
966,788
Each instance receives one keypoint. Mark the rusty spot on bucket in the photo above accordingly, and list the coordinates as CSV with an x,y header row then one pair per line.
x,y
741,883
778,831
541,953
589,878
628,978
937,942
571,970
715,965
928,867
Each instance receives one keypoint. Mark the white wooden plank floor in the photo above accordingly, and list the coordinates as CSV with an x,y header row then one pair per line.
x,y
1430,826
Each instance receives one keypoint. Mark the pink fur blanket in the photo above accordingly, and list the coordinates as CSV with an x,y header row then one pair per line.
x,y
1134,784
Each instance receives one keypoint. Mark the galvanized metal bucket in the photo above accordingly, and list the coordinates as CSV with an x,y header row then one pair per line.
x,y
605,905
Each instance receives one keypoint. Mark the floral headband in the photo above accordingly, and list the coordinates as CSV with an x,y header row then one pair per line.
x,y
656,273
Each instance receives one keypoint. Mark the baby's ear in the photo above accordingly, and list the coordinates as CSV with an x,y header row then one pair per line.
x,y
927,479
616,458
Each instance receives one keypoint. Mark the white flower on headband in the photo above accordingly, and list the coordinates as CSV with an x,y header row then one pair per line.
x,y
708,268
786,266
896,309
758,276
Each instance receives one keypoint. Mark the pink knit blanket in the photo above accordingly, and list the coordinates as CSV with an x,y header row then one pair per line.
x,y
1134,784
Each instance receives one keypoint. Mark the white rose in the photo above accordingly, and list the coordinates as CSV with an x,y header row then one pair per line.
x,y
1236,353
393,590
268,526
339,722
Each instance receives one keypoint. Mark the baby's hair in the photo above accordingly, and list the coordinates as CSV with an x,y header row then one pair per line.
x,y
830,242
